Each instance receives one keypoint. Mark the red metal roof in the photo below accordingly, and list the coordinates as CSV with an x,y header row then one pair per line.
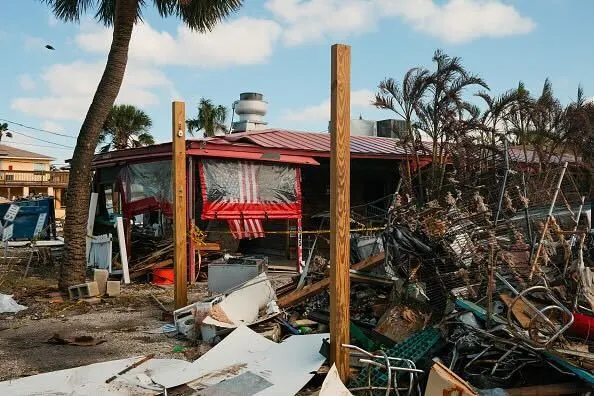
x,y
311,142
278,145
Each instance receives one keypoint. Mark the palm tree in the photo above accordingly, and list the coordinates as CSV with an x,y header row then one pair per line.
x,y
210,118
403,100
126,127
518,116
444,103
4,131
497,106
547,118
579,126
200,15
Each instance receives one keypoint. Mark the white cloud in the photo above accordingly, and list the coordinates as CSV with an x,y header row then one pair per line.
x,y
26,82
34,43
360,99
72,86
453,21
459,21
243,41
313,20
52,21
52,126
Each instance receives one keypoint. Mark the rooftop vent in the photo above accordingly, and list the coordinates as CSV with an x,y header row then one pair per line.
x,y
251,108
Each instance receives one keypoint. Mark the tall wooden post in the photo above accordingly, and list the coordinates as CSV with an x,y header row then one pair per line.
x,y
180,251
340,124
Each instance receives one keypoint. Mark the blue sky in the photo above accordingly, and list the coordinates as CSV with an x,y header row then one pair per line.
x,y
282,49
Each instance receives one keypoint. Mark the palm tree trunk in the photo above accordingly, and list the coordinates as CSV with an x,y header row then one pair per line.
x,y
73,267
421,197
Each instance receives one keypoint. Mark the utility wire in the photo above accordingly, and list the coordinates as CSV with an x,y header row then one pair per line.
x,y
37,129
11,143
41,140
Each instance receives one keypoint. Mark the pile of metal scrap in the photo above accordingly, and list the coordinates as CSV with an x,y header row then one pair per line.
x,y
484,290
509,308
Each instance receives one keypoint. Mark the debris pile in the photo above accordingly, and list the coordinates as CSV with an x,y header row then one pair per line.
x,y
481,291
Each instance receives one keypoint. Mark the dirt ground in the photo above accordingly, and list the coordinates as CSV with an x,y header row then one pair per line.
x,y
124,323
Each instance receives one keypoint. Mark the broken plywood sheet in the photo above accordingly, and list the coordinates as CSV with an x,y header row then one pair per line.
x,y
442,381
333,386
287,365
90,379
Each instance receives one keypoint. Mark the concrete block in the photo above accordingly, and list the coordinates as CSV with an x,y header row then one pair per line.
x,y
100,276
113,288
89,289
93,289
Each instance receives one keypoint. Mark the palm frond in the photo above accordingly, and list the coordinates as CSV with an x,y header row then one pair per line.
x,y
198,14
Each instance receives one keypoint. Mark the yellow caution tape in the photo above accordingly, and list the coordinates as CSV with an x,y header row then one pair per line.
x,y
304,231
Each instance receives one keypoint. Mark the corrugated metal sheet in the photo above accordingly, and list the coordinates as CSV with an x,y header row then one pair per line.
x,y
318,142
517,154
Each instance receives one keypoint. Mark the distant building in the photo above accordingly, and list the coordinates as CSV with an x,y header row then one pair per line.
x,y
385,128
24,173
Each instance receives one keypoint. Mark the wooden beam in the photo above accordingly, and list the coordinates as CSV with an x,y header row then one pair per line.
x,y
123,249
180,250
293,298
340,124
137,273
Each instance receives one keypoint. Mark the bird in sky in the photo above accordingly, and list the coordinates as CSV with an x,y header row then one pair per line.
x,y
49,47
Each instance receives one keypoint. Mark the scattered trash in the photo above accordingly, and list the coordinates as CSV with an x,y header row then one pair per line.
x,y
443,381
8,305
332,385
78,340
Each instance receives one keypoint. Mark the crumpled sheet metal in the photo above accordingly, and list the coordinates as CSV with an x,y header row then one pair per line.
x,y
287,366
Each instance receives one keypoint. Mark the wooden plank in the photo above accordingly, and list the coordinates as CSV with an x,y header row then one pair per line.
x,y
145,270
340,118
291,299
180,243
209,247
191,221
123,250
91,221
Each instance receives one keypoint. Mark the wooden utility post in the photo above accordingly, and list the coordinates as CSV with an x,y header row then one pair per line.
x,y
180,250
340,129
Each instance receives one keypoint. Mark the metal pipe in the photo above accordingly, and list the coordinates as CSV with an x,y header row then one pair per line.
x,y
502,193
528,223
546,225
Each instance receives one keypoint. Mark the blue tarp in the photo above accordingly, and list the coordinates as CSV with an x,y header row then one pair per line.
x,y
26,219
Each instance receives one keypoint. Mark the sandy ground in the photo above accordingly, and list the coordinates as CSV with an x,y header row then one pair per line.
x,y
125,323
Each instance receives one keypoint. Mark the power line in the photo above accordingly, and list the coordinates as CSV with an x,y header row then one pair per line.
x,y
11,143
41,140
37,129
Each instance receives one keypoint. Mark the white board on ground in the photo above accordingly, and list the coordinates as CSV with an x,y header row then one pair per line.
x,y
288,365
8,305
90,380
11,213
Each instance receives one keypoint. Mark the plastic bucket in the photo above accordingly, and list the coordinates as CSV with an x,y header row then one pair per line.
x,y
163,276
